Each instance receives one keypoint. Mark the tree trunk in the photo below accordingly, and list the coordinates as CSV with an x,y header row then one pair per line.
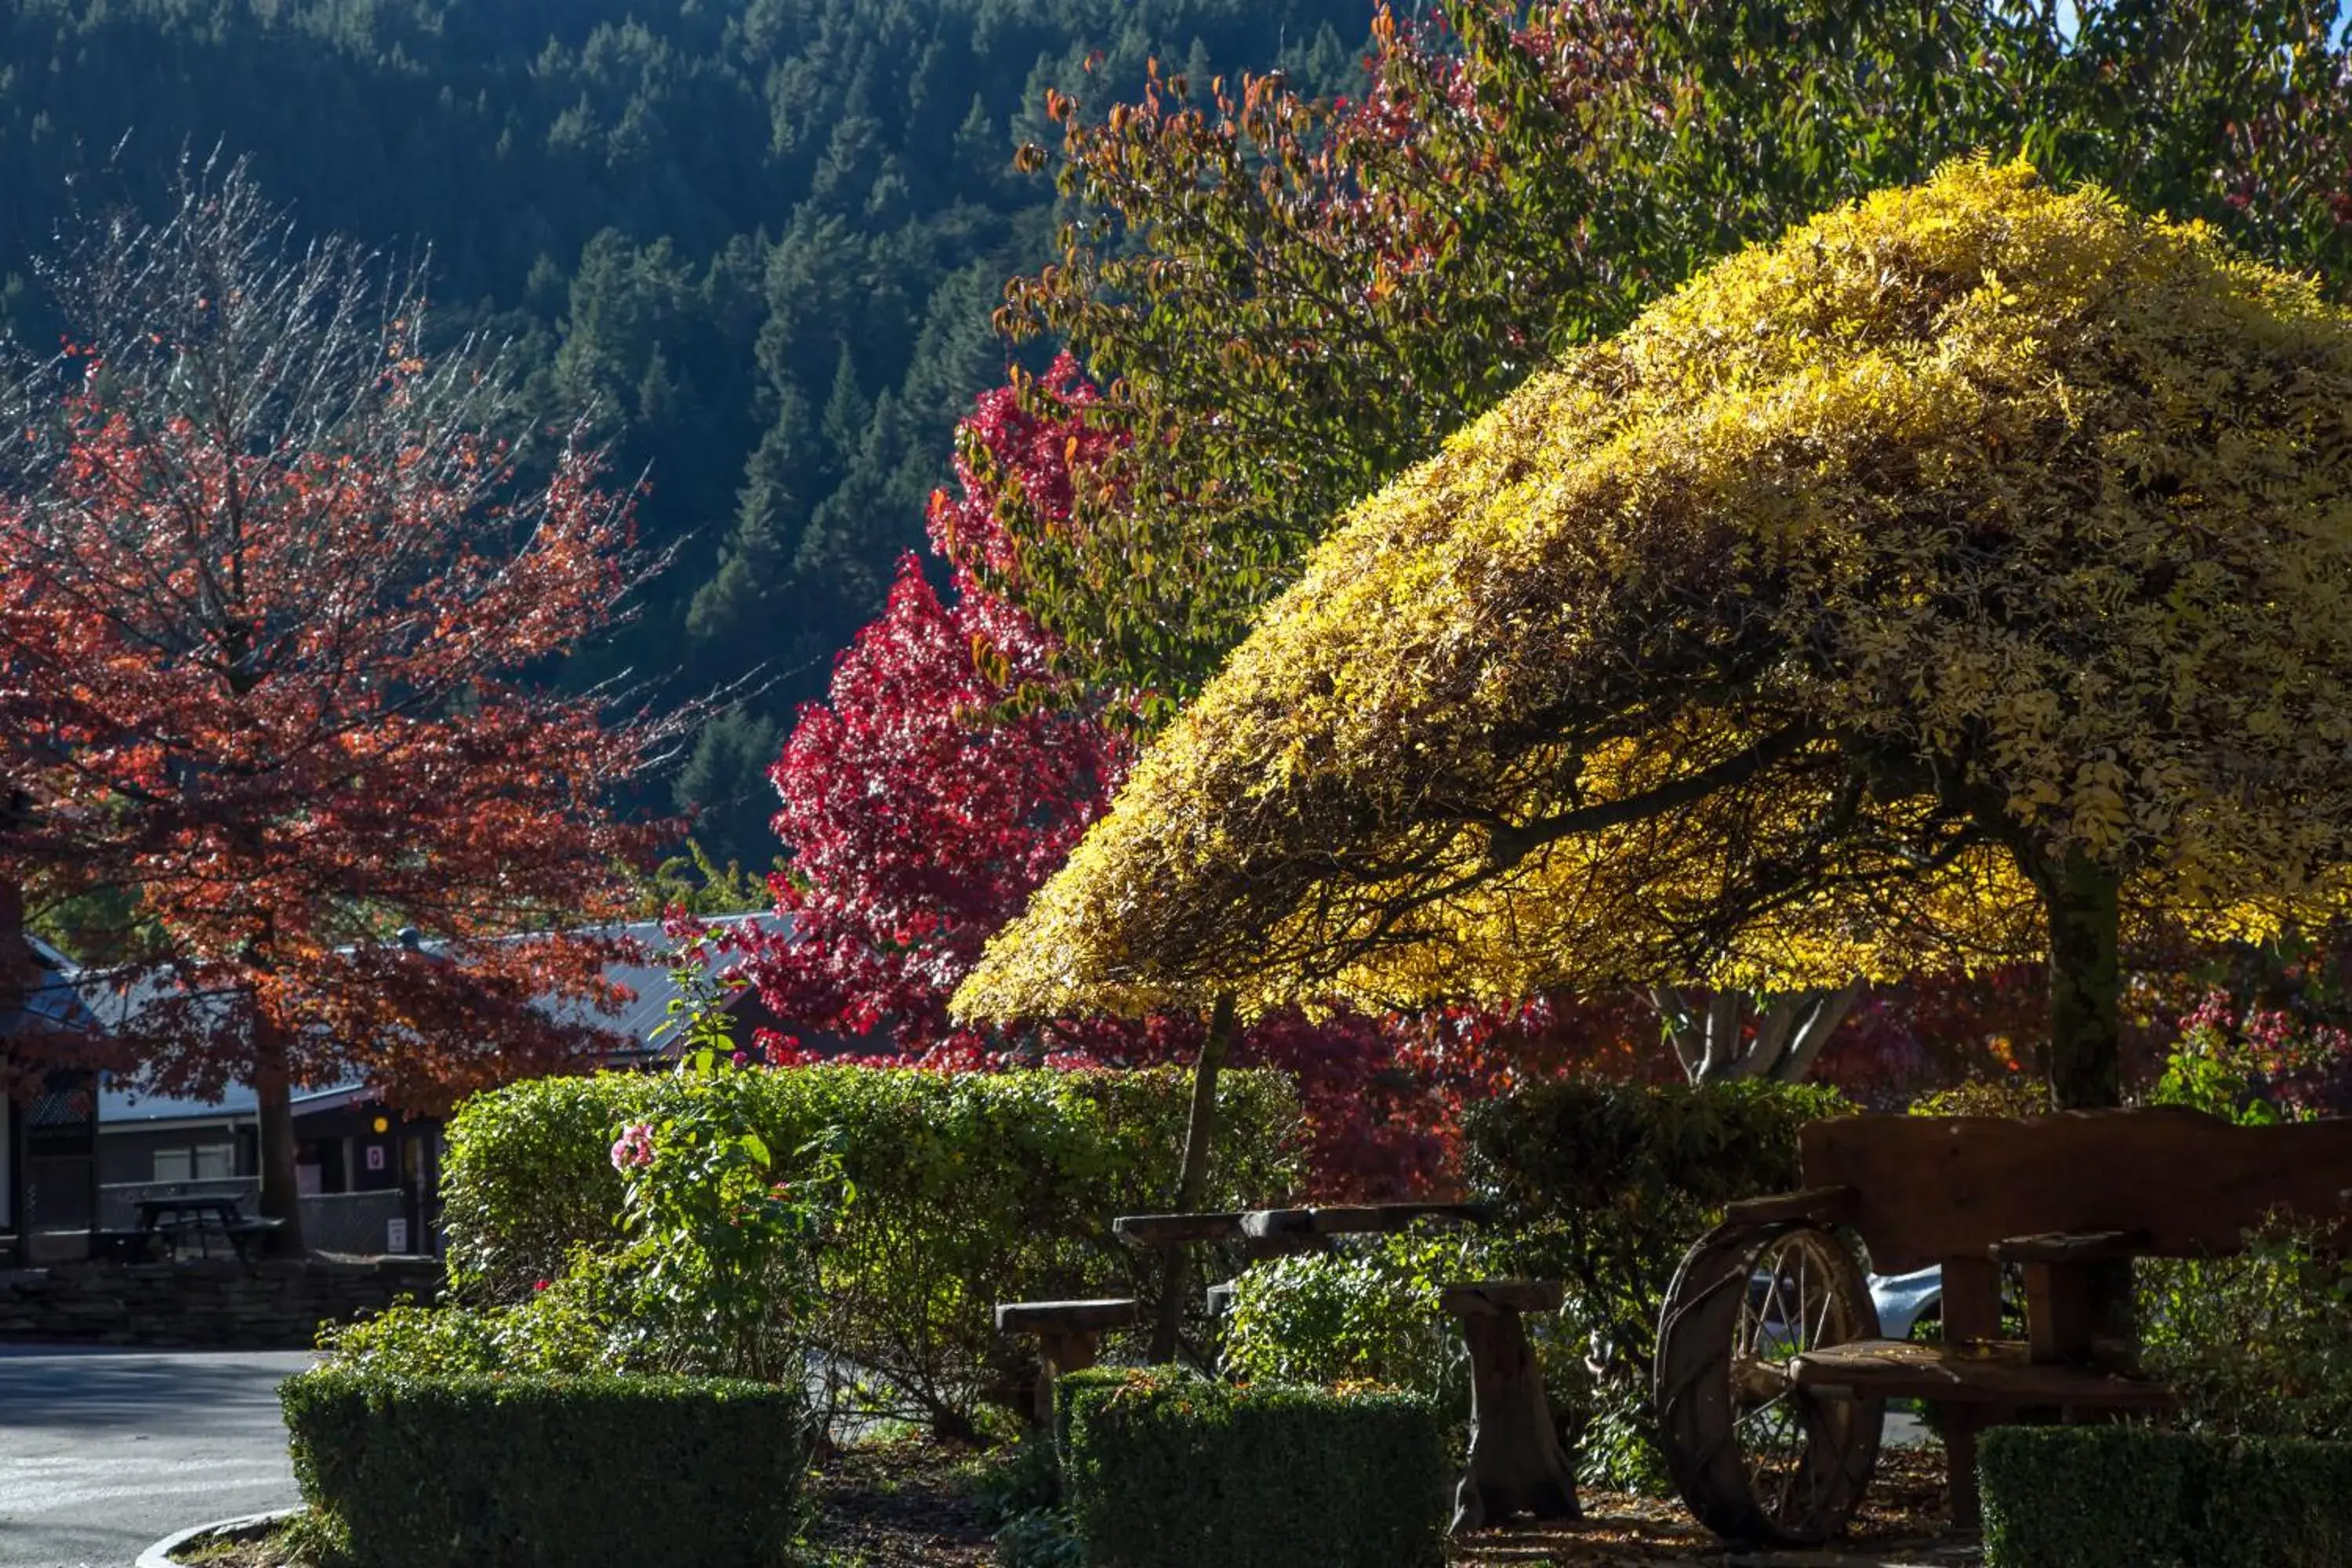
x,y
1200,1134
273,1090
1712,1044
2084,1064
1817,1021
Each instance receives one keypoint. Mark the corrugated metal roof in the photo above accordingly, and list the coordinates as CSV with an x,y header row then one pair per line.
x,y
55,1000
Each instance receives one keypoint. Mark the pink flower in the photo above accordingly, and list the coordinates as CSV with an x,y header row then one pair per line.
x,y
634,1147
742,1058
540,1284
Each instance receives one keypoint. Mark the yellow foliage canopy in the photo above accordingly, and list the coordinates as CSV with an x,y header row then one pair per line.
x,y
1814,626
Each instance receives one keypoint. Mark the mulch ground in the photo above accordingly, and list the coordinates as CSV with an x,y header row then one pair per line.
x,y
898,1505
1903,1521
909,1505
906,1504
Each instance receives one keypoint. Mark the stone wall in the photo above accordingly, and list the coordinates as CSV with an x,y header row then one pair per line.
x,y
273,1304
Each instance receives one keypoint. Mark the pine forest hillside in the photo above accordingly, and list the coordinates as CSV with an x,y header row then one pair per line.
x,y
759,240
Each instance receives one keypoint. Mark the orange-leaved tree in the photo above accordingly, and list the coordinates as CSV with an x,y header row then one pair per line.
x,y
278,590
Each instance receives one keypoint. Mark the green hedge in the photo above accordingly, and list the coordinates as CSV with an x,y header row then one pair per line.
x,y
549,1472
971,1189
2098,1497
1166,1471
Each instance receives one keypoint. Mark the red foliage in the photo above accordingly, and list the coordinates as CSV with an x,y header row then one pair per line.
x,y
919,818
927,800
267,699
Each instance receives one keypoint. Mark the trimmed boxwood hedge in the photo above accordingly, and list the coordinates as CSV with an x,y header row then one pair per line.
x,y
584,1472
1163,1469
2100,1497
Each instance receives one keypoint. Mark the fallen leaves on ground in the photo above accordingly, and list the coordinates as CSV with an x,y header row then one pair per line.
x,y
1904,1519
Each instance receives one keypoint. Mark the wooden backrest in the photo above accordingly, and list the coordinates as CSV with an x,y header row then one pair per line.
x,y
1933,1187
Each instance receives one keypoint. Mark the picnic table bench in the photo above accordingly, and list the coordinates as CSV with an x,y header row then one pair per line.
x,y
1069,1338
173,1220
1772,1376
1279,1233
1516,1462
1069,1333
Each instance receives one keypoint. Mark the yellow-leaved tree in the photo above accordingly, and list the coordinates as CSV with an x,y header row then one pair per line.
x,y
1966,576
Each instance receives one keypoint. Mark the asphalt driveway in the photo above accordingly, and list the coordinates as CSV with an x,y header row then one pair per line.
x,y
103,1452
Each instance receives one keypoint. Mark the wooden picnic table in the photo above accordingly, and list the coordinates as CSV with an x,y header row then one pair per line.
x,y
1516,1462
1770,1309
1278,1232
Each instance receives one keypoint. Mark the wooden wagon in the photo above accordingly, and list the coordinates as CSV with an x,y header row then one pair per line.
x,y
1771,1375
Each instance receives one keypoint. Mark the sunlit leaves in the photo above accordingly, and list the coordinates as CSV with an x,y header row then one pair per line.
x,y
1808,628
1291,301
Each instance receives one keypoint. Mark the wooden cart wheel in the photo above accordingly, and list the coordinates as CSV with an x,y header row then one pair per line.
x,y
1757,1458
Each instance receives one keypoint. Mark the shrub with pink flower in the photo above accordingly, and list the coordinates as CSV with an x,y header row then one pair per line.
x,y
634,1148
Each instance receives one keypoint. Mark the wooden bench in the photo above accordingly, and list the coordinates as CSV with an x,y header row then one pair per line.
x,y
1069,1338
2061,1198
1516,1465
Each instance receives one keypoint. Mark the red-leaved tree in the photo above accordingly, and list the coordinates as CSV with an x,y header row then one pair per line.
x,y
274,589
932,793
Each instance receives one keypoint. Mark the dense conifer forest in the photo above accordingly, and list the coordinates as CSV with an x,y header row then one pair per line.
x,y
758,241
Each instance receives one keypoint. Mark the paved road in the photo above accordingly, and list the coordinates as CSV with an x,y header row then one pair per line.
x,y
104,1452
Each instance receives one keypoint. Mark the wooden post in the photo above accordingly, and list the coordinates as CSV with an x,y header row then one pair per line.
x,y
1971,1314
1060,1351
2058,1319
1517,1464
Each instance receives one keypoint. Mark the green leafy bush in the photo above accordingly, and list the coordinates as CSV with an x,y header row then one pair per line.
x,y
558,1331
528,1177
720,1272
1167,1470
716,1275
2100,1497
1367,1316
1040,1539
1605,1184
1017,1491
2256,1345
527,1472
971,1189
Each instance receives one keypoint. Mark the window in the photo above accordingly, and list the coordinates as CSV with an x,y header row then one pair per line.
x,y
216,1161
172,1165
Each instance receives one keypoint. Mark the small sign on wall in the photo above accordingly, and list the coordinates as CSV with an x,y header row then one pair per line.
x,y
375,1157
395,1235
